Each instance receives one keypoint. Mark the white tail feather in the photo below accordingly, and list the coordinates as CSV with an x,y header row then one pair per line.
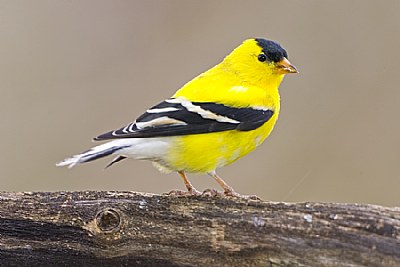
x,y
149,148
95,153
70,162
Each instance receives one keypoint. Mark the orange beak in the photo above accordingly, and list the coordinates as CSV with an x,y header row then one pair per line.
x,y
284,67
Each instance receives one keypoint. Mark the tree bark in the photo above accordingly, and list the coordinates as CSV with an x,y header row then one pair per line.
x,y
136,229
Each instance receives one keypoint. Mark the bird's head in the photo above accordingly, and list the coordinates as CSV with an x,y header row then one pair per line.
x,y
260,61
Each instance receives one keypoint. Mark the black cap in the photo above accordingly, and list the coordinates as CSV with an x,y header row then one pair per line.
x,y
272,50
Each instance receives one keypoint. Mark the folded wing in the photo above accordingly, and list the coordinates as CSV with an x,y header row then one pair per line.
x,y
178,116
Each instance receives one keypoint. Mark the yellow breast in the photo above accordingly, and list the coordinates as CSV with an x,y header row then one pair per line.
x,y
238,81
207,152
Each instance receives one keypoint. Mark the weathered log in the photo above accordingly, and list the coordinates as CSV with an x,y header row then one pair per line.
x,y
135,229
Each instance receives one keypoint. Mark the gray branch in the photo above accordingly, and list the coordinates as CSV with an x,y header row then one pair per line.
x,y
135,229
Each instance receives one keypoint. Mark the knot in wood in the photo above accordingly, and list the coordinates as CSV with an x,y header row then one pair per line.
x,y
108,220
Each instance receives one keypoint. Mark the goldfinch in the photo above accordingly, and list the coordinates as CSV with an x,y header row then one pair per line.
x,y
212,121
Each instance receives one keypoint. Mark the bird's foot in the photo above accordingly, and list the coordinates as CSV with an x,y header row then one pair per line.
x,y
228,190
194,192
231,193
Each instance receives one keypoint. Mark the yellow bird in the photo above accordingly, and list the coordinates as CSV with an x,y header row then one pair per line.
x,y
212,121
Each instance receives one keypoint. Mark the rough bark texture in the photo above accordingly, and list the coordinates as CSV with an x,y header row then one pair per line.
x,y
135,229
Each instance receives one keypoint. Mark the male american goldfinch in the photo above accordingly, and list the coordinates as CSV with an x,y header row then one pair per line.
x,y
212,121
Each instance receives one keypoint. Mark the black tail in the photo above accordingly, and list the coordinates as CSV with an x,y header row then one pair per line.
x,y
87,157
90,155
117,159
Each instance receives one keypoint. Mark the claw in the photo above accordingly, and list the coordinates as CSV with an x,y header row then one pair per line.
x,y
191,190
228,190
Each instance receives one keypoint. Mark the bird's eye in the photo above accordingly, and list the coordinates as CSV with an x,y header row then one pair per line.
x,y
262,57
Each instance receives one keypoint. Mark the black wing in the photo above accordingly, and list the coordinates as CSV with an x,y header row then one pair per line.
x,y
177,116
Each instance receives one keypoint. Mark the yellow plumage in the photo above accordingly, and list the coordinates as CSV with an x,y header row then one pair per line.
x,y
213,120
240,80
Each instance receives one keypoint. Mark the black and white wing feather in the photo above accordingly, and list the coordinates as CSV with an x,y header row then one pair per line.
x,y
178,116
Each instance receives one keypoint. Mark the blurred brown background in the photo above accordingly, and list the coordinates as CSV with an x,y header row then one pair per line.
x,y
71,70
